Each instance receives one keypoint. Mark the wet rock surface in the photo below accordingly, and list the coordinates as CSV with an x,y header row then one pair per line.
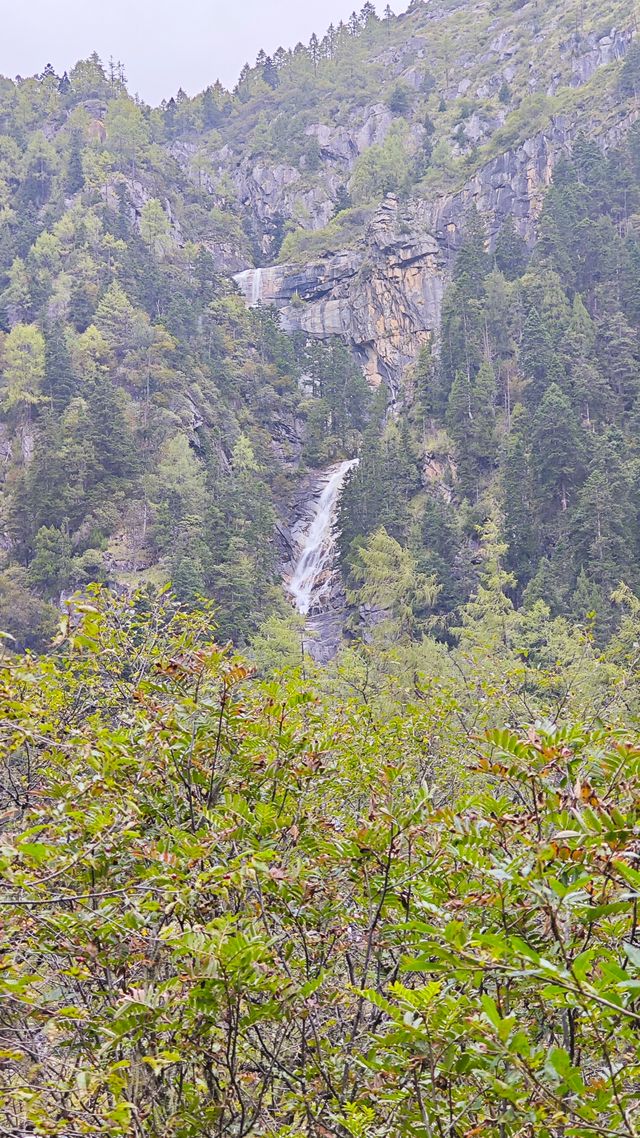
x,y
310,573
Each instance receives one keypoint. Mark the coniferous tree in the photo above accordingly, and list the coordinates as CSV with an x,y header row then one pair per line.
x,y
630,75
270,73
558,449
519,504
538,360
110,436
471,423
74,180
50,570
511,253
210,110
472,264
619,354
60,383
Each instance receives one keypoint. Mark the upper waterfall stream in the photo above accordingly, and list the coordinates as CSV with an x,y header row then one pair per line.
x,y
251,284
310,583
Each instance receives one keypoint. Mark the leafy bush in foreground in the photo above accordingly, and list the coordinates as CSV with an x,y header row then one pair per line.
x,y
227,911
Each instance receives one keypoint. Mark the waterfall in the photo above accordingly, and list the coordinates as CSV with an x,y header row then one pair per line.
x,y
312,574
251,283
256,288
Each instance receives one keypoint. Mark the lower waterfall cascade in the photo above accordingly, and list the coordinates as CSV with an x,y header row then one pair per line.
x,y
313,571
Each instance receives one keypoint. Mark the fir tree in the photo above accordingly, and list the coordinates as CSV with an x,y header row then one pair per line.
x,y
270,74
60,383
519,504
74,180
558,448
210,111
472,264
511,254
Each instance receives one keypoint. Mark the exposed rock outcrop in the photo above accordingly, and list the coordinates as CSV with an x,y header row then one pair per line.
x,y
588,53
383,292
384,298
385,295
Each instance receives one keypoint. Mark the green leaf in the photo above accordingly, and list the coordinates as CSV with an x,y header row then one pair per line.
x,y
632,952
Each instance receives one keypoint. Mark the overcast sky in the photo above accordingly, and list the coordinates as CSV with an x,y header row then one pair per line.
x,y
164,44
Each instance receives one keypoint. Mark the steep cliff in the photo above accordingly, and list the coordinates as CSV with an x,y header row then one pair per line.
x,y
486,108
384,296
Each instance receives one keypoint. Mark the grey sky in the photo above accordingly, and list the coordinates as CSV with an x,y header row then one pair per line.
x,y
164,44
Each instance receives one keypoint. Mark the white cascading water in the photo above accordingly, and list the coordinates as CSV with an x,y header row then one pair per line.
x,y
256,288
311,578
251,282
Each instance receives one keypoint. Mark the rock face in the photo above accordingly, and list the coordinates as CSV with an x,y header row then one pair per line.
x,y
588,53
385,296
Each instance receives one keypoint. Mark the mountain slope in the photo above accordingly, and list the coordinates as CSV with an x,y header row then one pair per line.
x,y
451,194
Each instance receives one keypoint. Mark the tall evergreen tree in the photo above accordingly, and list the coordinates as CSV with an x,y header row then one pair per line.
x,y
74,178
558,448
511,253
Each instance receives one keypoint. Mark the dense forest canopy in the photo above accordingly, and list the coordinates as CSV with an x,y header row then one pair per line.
x,y
397,894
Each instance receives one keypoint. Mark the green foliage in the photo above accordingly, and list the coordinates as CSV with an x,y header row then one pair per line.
x,y
23,367
383,168
201,872
398,100
510,251
28,622
131,373
390,587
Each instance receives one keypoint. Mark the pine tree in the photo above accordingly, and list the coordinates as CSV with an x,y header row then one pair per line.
x,y
520,529
60,384
619,354
470,421
439,547
472,264
630,75
50,569
270,74
558,449
426,393
188,578
538,360
604,524
343,200
110,436
74,180
511,253
170,118
314,52
210,111
354,24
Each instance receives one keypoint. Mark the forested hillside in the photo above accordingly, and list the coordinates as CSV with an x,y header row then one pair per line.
x,y
532,400
149,423
154,429
364,330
